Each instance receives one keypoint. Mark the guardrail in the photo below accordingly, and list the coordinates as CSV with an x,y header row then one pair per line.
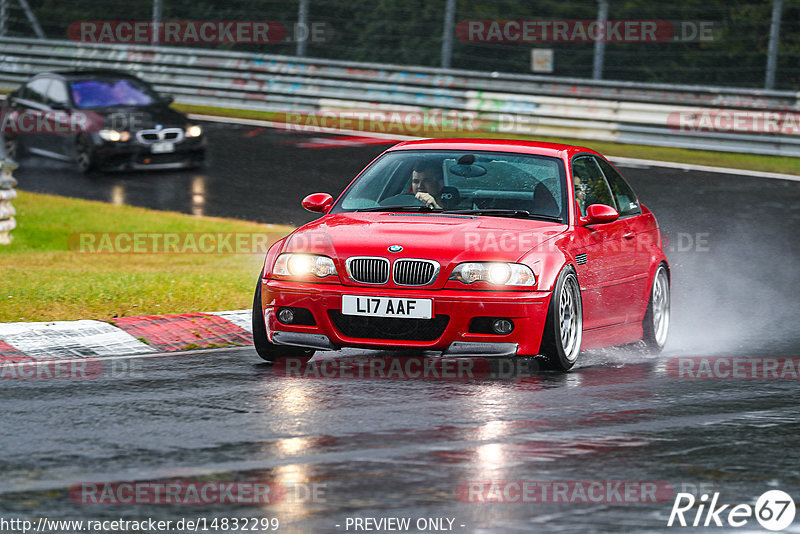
x,y
7,194
623,112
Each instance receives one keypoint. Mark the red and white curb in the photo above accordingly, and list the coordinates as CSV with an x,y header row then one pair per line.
x,y
124,336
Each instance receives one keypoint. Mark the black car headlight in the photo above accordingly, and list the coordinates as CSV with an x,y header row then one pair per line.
x,y
114,135
193,131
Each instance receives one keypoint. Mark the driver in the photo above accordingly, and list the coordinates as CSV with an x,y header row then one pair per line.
x,y
427,181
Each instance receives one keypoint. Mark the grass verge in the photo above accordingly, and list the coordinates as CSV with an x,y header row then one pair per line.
x,y
754,162
46,277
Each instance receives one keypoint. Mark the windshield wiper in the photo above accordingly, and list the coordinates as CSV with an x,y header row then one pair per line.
x,y
424,209
507,213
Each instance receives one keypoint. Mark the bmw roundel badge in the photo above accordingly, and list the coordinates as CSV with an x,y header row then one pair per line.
x,y
395,248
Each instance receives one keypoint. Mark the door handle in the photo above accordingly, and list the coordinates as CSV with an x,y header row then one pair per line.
x,y
629,235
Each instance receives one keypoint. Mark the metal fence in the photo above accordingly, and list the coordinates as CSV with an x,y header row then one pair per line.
x,y
666,115
744,43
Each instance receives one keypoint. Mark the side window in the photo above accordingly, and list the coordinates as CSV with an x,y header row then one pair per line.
x,y
37,90
626,199
590,185
57,93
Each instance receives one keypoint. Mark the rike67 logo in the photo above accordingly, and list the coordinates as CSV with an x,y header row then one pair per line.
x,y
774,510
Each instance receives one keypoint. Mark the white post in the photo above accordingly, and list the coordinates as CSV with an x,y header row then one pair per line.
x,y
774,41
600,44
7,194
302,29
447,33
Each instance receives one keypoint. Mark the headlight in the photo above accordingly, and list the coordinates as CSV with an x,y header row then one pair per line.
x,y
303,265
114,135
501,274
194,131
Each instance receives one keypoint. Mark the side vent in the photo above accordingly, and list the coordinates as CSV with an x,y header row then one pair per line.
x,y
581,259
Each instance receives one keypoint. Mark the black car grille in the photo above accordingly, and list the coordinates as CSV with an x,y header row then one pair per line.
x,y
368,270
389,327
414,272
157,136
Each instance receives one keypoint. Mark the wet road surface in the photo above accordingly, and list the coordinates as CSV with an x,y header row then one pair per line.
x,y
410,448
396,448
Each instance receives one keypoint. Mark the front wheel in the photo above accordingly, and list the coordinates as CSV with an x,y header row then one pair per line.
x,y
563,331
84,154
270,351
656,318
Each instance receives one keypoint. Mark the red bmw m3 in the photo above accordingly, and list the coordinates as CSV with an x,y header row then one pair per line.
x,y
473,248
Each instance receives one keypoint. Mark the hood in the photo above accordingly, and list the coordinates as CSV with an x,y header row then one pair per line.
x,y
448,239
142,118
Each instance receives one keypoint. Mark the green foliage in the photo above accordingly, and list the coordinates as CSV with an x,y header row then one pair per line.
x,y
410,32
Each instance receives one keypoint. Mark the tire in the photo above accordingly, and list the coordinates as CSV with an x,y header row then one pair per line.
x,y
656,319
84,154
269,351
563,330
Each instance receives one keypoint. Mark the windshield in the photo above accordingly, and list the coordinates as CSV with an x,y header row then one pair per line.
x,y
489,183
88,94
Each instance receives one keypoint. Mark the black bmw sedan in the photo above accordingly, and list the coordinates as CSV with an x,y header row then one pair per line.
x,y
105,120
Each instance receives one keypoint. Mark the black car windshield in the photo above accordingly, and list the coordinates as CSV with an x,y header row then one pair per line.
x,y
484,183
111,92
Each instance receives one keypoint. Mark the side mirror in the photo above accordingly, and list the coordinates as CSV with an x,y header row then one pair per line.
x,y
318,202
599,214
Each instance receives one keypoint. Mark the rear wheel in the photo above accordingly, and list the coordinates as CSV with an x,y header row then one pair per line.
x,y
13,148
563,331
270,351
656,318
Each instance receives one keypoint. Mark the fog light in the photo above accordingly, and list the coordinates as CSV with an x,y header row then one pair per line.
x,y
502,326
286,315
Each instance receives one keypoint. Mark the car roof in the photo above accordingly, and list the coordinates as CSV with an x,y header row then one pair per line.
x,y
87,74
538,148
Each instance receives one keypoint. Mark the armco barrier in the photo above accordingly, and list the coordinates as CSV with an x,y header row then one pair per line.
x,y
502,103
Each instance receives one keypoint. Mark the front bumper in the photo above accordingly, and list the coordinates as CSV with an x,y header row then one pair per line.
x,y
454,311
135,156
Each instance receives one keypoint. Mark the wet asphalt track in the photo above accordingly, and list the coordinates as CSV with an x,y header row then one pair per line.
x,y
401,448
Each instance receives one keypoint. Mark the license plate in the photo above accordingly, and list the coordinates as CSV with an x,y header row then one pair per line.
x,y
160,148
387,307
